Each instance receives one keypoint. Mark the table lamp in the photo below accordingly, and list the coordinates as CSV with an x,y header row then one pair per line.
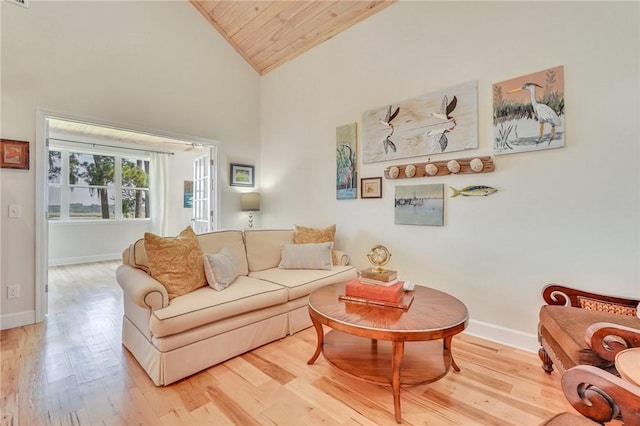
x,y
250,202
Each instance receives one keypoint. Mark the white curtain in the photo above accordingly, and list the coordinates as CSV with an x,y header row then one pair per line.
x,y
159,190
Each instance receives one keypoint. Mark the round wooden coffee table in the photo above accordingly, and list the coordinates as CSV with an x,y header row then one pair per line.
x,y
353,344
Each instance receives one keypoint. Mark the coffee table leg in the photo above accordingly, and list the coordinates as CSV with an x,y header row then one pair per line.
x,y
447,348
320,334
396,363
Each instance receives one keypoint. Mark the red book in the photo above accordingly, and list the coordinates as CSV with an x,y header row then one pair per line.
x,y
392,293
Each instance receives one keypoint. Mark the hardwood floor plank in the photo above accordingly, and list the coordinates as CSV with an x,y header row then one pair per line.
x,y
73,370
271,369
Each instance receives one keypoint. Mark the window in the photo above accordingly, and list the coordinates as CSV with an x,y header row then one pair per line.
x,y
95,186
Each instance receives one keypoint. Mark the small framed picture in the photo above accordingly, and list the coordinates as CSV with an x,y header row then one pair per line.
x,y
14,154
241,175
371,187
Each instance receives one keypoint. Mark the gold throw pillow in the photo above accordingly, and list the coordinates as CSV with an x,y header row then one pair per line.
x,y
176,262
304,235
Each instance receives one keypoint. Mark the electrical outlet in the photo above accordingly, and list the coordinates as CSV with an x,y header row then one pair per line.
x,y
13,291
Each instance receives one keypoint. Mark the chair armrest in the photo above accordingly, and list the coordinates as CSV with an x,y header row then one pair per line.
x,y
555,294
607,339
600,395
342,258
141,288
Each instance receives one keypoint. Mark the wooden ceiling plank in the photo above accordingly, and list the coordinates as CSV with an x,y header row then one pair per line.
x,y
249,15
237,10
323,32
282,22
252,28
288,33
283,44
220,30
221,10
208,5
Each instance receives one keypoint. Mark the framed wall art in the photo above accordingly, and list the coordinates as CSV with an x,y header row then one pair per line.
x,y
241,175
371,187
346,170
187,198
528,112
419,205
14,154
441,121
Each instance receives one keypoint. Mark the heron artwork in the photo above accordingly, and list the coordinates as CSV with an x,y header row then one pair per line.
x,y
544,114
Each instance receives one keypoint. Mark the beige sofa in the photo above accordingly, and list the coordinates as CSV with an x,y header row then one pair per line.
x,y
174,339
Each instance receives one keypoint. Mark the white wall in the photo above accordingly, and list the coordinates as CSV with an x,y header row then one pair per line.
x,y
82,242
568,215
154,65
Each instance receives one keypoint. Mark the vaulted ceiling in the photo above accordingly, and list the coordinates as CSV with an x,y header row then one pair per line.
x,y
270,33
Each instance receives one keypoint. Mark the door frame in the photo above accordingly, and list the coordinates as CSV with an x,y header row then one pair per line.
x,y
42,184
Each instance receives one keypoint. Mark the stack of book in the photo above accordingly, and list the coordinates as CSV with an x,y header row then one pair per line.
x,y
381,288
385,278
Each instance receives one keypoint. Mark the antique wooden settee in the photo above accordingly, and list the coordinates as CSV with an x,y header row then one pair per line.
x,y
599,397
583,328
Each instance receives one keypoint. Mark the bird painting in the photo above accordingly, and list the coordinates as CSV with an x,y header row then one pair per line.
x,y
346,173
543,113
446,108
387,142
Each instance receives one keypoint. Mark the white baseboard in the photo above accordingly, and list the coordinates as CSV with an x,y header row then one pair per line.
x,y
506,336
84,259
17,320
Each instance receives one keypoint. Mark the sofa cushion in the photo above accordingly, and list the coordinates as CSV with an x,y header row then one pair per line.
x,y
263,247
176,262
301,282
137,256
213,242
206,305
306,256
564,327
220,268
304,235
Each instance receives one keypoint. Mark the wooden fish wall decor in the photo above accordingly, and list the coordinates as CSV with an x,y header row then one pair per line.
x,y
473,190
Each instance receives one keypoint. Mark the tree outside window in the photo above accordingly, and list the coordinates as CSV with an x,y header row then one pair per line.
x,y
97,186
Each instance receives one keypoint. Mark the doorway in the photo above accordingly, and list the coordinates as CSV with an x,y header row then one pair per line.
x,y
90,182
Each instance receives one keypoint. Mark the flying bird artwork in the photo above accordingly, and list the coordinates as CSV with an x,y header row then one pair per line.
x,y
387,142
422,125
446,108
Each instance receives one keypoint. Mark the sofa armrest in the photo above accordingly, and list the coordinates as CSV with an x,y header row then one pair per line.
x,y
600,395
342,258
607,339
141,288
555,294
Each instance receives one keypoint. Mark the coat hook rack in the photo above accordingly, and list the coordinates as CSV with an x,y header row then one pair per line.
x,y
458,166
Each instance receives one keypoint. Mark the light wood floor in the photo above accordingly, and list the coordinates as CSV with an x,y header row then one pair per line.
x,y
73,370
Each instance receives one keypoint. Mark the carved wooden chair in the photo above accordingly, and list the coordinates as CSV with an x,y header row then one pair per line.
x,y
599,396
582,328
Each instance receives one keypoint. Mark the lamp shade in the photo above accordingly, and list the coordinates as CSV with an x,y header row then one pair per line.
x,y
250,202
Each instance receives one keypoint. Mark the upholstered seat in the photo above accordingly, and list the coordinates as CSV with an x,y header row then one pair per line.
x,y
582,328
562,334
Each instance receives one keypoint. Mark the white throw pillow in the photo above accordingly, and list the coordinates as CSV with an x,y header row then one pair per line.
x,y
221,268
306,256
638,310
